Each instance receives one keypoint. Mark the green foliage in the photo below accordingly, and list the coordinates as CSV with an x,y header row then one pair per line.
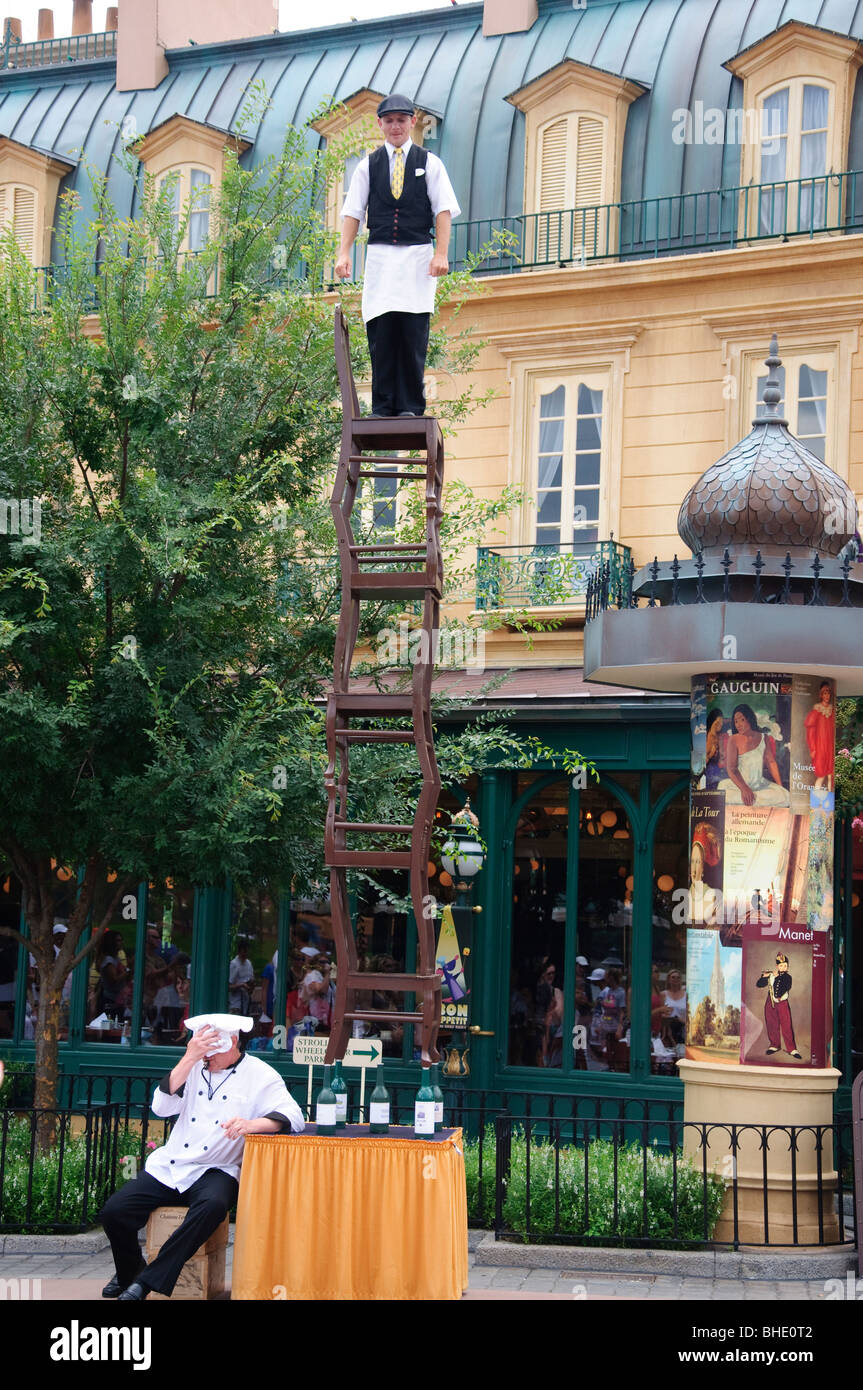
x,y
73,1195
849,756
480,1197
16,1089
614,1207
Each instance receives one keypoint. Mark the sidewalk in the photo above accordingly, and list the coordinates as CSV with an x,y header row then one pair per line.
x,y
80,1276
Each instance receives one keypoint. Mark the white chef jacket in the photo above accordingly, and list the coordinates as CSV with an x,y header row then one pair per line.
x,y
397,278
250,1089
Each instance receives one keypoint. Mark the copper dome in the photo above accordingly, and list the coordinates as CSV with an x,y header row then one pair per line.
x,y
769,492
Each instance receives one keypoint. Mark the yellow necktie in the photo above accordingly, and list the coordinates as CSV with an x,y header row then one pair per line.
x,y
397,181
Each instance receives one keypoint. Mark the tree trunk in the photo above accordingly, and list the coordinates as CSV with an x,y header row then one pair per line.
x,y
47,1068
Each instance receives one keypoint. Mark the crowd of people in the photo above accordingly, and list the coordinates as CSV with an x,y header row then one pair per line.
x,y
601,1030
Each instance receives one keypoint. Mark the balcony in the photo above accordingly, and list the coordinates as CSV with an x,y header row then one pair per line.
x,y
717,220
43,53
545,576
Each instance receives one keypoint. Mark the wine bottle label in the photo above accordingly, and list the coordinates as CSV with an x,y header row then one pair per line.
x,y
438,1112
379,1112
325,1114
341,1105
424,1117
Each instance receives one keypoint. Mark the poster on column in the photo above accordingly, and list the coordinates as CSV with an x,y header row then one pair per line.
x,y
713,996
785,992
761,829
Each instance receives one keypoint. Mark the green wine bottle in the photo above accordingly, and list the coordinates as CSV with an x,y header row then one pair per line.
x,y
438,1096
424,1105
340,1091
379,1105
325,1107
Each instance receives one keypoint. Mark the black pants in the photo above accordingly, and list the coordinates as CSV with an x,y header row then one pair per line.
x,y
209,1200
398,344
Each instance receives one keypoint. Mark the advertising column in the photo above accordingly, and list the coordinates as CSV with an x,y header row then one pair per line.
x,y
760,899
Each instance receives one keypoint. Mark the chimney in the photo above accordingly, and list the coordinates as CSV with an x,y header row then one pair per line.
x,y
146,29
14,25
46,24
111,19
82,17
508,16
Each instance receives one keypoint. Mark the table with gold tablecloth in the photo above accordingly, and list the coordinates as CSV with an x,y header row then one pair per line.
x,y
355,1216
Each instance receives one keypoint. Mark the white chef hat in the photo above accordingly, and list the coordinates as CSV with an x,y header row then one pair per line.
x,y
223,1023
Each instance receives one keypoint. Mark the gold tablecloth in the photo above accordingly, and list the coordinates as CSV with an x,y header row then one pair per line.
x,y
354,1217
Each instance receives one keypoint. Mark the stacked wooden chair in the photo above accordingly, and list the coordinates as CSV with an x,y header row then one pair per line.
x,y
370,449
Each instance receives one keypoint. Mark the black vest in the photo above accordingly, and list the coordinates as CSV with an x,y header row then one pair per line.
x,y
404,221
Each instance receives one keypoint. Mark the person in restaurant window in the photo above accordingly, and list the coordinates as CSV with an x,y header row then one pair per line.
x,y
241,976
674,996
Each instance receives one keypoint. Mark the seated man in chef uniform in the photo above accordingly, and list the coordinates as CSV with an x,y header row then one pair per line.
x,y
219,1095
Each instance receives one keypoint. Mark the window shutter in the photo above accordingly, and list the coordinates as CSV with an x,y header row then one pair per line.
x,y
2,207
588,169
552,167
24,221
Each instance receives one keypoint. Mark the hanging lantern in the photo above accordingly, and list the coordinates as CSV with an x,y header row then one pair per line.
x,y
112,876
432,869
64,875
665,883
445,879
463,854
609,818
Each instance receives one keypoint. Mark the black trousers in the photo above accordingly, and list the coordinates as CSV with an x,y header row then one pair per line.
x,y
398,344
209,1200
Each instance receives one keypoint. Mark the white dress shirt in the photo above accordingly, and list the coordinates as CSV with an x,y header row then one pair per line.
x,y
250,1089
397,278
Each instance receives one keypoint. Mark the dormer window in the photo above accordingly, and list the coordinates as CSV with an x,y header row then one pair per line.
x,y
575,120
801,80
29,183
189,158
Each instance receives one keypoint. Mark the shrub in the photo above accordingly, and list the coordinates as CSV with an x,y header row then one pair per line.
x,y
58,1199
16,1090
480,1204
698,1202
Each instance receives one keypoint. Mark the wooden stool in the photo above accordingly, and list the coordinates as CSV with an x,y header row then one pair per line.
x,y
203,1276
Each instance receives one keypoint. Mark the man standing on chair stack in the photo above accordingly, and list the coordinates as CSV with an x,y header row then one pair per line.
x,y
405,190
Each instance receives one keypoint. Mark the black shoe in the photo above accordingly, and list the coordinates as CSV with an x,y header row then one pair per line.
x,y
770,1051
136,1293
407,415
796,1056
114,1288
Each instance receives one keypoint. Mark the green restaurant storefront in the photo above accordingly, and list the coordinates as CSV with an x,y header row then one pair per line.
x,y
575,963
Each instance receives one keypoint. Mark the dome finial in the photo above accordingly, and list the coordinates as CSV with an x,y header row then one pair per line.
x,y
772,391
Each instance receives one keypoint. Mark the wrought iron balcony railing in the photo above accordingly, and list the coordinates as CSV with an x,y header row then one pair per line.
x,y
544,576
42,53
715,220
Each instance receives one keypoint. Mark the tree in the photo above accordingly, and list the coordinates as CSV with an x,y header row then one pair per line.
x,y
173,421
704,1021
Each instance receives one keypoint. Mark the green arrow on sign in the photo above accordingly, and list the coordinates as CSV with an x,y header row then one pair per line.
x,y
372,1052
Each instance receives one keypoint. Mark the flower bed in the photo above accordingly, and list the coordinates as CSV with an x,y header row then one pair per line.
x,y
65,1192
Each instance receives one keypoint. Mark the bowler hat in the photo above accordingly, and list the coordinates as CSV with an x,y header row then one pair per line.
x,y
396,102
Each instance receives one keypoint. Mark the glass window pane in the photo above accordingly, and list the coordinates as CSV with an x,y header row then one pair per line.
x,y
548,535
588,433
587,469
553,404
10,916
550,436
588,499
537,967
810,417
668,973
816,105
589,402
774,115
605,893
548,509
199,220
550,470
255,924
111,973
167,960
812,382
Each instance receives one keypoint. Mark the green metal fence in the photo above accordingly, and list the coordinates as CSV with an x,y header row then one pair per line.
x,y
715,220
541,576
